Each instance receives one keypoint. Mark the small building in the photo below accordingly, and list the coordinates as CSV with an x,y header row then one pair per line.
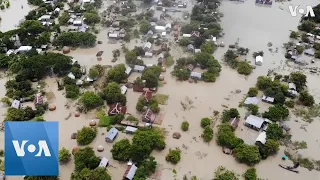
x,y
112,134
117,109
147,95
150,32
115,24
148,54
38,99
163,34
262,138
130,130
292,86
267,99
124,89
77,22
113,35
195,75
197,51
147,46
251,100
23,49
309,52
234,122
160,28
259,60
130,172
168,26
104,162
292,89
45,18
128,70
138,68
254,122
71,76
149,116
16,104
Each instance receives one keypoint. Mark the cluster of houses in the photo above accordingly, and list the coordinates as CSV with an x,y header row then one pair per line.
x,y
116,32
38,100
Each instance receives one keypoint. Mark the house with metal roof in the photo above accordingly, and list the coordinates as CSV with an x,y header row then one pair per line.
x,y
124,89
267,99
112,134
254,122
138,68
262,138
195,75
130,130
251,100
130,172
128,70
104,162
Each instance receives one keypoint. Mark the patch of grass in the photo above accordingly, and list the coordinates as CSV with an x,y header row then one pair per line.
x,y
169,61
161,98
307,114
300,145
104,120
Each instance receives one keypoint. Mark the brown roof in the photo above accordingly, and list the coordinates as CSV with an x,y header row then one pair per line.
x,y
149,116
147,95
138,87
117,109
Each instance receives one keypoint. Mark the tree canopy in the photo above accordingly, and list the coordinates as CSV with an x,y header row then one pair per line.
x,y
276,113
94,174
248,154
85,158
86,135
64,155
117,73
76,39
151,75
90,100
112,94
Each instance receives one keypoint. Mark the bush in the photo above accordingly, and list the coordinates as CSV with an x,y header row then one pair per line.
x,y
274,132
185,126
72,91
253,92
116,119
121,150
244,68
250,174
90,100
226,137
276,113
86,135
207,134
289,103
174,156
306,99
64,155
229,114
205,122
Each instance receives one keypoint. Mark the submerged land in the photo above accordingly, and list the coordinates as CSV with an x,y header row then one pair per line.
x,y
186,95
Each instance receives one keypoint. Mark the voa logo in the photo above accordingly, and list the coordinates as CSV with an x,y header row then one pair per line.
x,y
306,12
42,148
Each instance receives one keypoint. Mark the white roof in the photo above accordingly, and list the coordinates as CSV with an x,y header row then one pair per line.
x,y
131,129
262,137
214,39
86,1
254,121
24,48
88,79
292,86
44,17
186,35
168,25
128,70
15,104
10,51
131,172
163,33
77,22
196,74
113,35
104,162
267,98
138,68
148,54
160,28
123,89
197,50
259,59
70,75
251,100
147,45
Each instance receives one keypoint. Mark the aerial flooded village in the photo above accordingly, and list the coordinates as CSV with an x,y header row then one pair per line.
x,y
164,89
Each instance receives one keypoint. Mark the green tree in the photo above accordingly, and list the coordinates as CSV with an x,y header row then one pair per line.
x,y
299,79
223,174
306,99
185,126
203,58
85,158
117,73
90,100
131,57
253,92
207,134
64,155
91,18
184,42
244,68
112,94
64,18
94,174
264,82
174,155
208,47
205,122
271,147
121,150
86,135
294,35
146,168
75,39
94,73
276,113
14,114
254,109
144,26
229,114
250,174
248,154
151,75
307,26
181,74
41,178
274,132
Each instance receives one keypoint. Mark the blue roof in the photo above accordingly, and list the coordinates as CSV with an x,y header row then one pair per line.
x,y
112,133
